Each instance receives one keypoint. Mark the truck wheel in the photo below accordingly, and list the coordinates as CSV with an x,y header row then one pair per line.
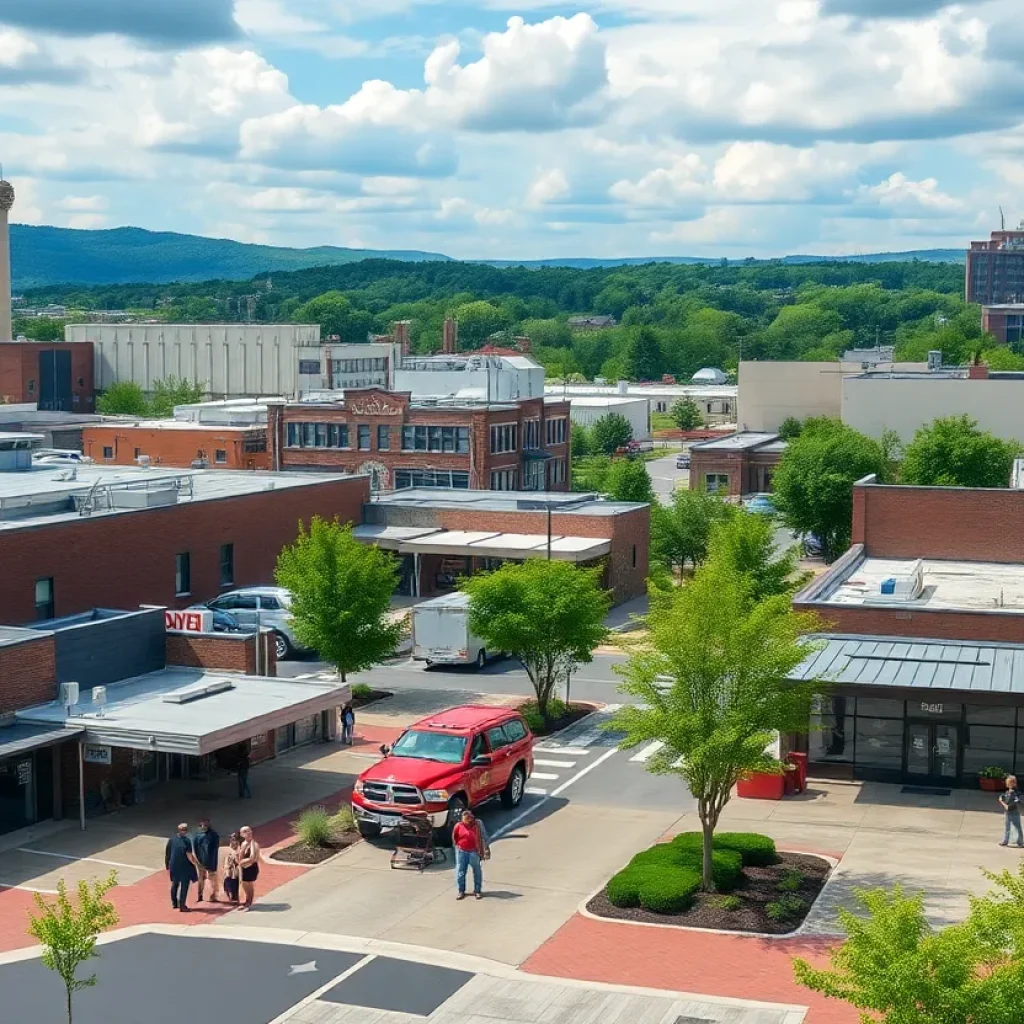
x,y
456,806
369,829
512,794
481,659
282,648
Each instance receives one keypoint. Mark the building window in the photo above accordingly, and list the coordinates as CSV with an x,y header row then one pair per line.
x,y
44,599
503,480
227,565
309,366
716,483
220,455
533,476
556,471
138,452
531,434
383,438
108,451
256,443
504,438
462,440
634,556
294,438
556,430
182,574
405,478
453,440
320,435
308,435
364,437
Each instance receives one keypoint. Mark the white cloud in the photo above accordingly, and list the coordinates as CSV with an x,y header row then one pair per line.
x,y
82,204
459,211
548,187
911,198
684,180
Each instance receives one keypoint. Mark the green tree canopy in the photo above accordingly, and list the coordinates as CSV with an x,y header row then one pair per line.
x,y
814,482
746,542
336,315
953,452
580,441
710,684
123,398
681,531
172,391
644,358
686,414
547,614
38,328
790,428
628,480
478,321
609,433
341,595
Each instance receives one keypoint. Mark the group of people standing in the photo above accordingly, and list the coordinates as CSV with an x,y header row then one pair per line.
x,y
197,858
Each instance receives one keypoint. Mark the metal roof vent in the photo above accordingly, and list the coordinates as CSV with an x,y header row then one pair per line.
x,y
188,694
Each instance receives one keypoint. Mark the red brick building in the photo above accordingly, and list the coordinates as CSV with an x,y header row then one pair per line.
x,y
177,443
738,464
129,536
404,442
995,269
923,658
55,375
1005,323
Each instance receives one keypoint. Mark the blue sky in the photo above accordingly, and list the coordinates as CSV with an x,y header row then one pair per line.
x,y
531,129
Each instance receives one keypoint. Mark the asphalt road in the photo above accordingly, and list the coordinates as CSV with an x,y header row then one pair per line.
x,y
665,478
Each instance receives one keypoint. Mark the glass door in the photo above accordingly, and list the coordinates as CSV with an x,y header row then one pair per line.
x,y
919,748
933,751
945,751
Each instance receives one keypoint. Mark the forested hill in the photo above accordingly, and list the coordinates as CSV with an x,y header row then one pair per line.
x,y
44,256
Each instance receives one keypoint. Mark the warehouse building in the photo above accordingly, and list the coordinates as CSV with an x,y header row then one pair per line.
x,y
586,410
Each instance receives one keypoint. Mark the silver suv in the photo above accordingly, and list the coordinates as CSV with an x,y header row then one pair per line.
x,y
267,607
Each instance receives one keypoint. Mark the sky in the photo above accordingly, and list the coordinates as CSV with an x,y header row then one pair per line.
x,y
520,128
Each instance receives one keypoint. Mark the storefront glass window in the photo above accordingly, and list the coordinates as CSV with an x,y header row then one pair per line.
x,y
991,714
831,733
874,707
985,745
880,743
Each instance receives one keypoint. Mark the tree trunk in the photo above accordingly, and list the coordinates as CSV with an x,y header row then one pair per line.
x,y
707,871
69,1003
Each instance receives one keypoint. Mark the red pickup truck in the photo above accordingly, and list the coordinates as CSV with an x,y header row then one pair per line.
x,y
443,764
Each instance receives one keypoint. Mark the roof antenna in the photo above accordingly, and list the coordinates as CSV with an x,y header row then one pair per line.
x,y
1002,216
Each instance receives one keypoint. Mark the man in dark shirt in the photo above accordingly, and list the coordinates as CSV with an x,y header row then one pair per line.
x,y
206,846
181,864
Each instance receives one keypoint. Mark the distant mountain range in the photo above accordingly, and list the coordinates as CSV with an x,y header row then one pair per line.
x,y
46,256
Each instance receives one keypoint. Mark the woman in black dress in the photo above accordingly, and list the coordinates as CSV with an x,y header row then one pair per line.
x,y
249,862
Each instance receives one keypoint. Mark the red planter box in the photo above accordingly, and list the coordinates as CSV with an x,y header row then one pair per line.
x,y
762,787
992,785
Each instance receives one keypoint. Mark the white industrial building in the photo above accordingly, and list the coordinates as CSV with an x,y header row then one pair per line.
x,y
234,360
475,375
585,411
717,402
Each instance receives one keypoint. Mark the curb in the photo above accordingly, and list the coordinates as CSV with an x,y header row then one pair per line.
x,y
797,933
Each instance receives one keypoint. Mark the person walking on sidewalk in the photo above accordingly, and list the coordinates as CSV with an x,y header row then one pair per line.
x,y
471,849
249,863
1011,804
243,773
232,871
206,846
181,864
348,724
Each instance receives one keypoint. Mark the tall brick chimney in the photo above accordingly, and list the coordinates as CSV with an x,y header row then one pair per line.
x,y
450,336
400,332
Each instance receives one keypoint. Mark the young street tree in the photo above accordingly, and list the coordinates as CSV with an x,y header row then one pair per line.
x,y
67,929
747,543
953,452
123,398
900,970
172,391
547,614
610,433
814,482
628,480
686,414
681,531
341,595
711,686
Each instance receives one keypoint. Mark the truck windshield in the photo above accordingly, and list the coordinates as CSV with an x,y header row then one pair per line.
x,y
430,746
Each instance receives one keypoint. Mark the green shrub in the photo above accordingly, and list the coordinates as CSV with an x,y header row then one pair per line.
x,y
670,891
314,827
785,908
362,691
726,869
623,890
660,853
343,821
728,902
791,881
756,850
556,709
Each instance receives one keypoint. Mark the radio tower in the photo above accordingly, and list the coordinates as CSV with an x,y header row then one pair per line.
x,y
6,202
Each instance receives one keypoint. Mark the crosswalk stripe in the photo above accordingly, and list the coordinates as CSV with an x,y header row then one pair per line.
x,y
563,751
589,739
543,775
553,764
648,752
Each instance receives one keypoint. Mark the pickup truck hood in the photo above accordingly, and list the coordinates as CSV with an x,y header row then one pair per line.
x,y
412,772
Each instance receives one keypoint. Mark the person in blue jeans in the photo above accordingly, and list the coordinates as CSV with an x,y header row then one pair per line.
x,y
471,848
181,864
1010,801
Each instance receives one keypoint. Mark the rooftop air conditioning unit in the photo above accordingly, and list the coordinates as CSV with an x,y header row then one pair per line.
x,y
69,694
99,699
905,587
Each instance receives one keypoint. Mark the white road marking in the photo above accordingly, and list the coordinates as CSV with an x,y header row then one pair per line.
x,y
91,860
535,791
28,888
648,752
564,751
508,826
554,764
544,775
291,1013
590,738
309,968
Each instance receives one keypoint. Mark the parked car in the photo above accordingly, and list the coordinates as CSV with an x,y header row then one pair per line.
x,y
683,461
812,546
443,764
760,504
223,622
266,607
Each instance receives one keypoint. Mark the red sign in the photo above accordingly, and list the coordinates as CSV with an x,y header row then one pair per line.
x,y
192,621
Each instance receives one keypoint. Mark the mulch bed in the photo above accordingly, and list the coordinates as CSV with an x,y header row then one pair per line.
x,y
300,853
575,713
759,888
359,702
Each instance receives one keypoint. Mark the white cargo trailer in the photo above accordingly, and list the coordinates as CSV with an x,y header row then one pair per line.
x,y
440,633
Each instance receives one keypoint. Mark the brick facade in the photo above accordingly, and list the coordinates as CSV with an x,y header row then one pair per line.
x,y
180,445
748,472
28,673
375,408
128,558
227,652
20,372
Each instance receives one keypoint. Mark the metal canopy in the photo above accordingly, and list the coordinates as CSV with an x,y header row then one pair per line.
x,y
508,545
22,737
390,537
907,663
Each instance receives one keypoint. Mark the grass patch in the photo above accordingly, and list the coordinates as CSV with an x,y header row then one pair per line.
x,y
792,880
728,902
361,691
786,908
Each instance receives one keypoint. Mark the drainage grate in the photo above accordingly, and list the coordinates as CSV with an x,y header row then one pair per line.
x,y
925,791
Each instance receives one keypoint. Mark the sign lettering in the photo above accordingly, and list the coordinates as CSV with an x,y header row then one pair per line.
x,y
189,621
97,754
931,709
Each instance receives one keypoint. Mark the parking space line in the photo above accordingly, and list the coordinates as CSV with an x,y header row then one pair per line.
x,y
546,776
564,751
92,860
554,764
535,791
648,752
292,1011
28,888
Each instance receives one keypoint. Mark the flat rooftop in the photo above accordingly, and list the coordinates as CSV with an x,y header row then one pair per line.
x,y
742,441
965,586
185,425
560,502
648,390
51,493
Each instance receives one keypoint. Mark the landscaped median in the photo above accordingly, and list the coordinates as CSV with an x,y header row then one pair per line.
x,y
757,889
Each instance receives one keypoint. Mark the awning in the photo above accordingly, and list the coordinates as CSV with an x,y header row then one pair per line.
x,y
390,537
446,542
22,737
508,545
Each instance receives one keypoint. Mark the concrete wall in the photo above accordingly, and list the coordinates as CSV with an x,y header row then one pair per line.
x,y
874,404
174,446
636,410
234,360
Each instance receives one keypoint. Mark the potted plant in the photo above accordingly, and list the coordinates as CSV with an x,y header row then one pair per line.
x,y
767,784
992,778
